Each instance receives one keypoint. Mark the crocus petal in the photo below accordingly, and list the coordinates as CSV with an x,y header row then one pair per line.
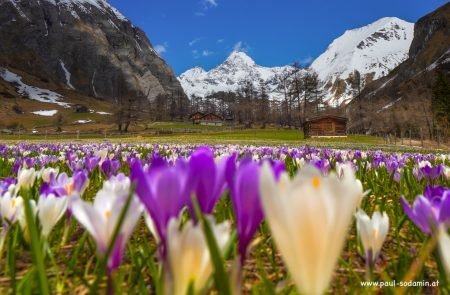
x,y
50,210
444,212
91,220
309,218
444,249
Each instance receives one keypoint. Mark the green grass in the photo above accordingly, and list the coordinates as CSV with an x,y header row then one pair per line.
x,y
250,136
186,133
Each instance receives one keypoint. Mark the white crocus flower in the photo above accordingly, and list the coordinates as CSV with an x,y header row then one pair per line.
x,y
447,172
151,226
100,219
50,210
309,217
372,232
103,154
444,249
300,162
117,185
45,173
188,254
26,178
11,207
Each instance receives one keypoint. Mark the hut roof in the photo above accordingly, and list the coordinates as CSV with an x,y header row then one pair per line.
x,y
196,113
338,118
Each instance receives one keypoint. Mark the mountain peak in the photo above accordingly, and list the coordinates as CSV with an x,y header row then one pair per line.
x,y
194,73
240,57
376,48
229,76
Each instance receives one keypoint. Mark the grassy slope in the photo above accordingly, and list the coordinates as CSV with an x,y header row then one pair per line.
x,y
9,97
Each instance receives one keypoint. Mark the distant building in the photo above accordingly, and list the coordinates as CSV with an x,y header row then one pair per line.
x,y
211,120
196,117
79,108
325,126
206,119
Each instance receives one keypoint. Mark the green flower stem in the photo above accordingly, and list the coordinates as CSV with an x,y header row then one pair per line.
x,y
36,248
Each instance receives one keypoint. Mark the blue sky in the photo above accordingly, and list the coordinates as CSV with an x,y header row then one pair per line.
x,y
274,32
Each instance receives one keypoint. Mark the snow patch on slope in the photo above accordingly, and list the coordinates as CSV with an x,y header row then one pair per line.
x,y
35,93
46,113
389,105
67,75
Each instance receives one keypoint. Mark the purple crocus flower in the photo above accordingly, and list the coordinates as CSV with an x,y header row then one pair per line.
x,y
110,167
323,165
16,167
244,190
164,192
5,184
432,173
91,163
30,162
65,185
430,210
206,179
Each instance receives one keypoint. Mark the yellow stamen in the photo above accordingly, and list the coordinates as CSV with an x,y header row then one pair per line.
x,y
107,214
316,181
69,188
13,203
374,233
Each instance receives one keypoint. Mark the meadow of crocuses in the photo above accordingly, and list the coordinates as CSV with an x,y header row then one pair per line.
x,y
224,219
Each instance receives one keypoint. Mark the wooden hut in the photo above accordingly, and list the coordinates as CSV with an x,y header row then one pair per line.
x,y
211,120
325,126
196,117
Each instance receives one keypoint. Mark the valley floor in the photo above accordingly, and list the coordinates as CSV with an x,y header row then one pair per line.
x,y
193,134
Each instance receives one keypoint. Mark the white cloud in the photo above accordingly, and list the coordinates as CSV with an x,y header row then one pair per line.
x,y
210,3
306,61
205,5
204,53
192,43
195,53
161,48
207,52
220,41
241,47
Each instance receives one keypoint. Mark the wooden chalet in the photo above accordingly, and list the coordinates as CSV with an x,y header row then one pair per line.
x,y
196,117
325,126
209,119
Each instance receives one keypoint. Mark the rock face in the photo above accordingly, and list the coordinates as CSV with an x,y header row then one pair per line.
x,y
402,99
85,45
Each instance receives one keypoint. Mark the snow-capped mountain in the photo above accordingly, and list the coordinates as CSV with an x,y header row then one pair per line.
x,y
373,51
230,75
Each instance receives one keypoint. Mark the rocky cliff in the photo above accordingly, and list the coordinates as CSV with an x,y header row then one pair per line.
x,y
85,45
402,100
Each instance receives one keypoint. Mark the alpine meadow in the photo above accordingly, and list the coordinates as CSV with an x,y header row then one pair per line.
x,y
224,147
